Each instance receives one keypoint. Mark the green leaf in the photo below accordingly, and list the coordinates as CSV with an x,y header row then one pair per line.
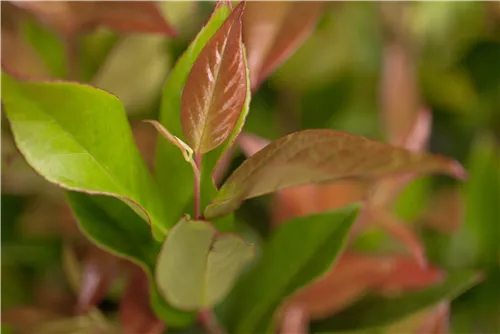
x,y
376,311
174,175
297,253
112,225
215,90
79,138
476,243
197,265
315,156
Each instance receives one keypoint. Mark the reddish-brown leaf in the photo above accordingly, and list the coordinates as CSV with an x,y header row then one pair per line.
x,y
400,96
356,275
350,279
72,17
295,320
215,90
402,232
18,56
273,30
316,198
98,272
437,320
446,211
407,275
136,315
316,156
251,144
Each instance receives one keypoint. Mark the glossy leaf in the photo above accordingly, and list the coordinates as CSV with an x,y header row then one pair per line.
x,y
79,138
314,156
273,30
197,265
124,16
375,312
215,90
297,253
174,175
112,225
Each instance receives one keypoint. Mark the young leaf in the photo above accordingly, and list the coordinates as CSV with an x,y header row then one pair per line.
x,y
124,16
375,312
78,137
215,90
197,265
314,156
299,252
273,30
112,225
174,176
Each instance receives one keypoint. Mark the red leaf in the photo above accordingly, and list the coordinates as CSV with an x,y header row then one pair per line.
x,y
350,279
401,232
18,56
400,96
73,17
136,315
407,274
99,271
273,30
216,88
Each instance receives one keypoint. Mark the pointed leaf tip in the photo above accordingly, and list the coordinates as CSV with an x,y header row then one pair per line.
x,y
316,156
215,90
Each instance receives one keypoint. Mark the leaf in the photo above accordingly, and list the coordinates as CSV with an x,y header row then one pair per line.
x,y
197,265
476,243
136,315
297,253
314,156
112,225
350,279
78,137
215,90
174,176
17,53
99,270
71,18
399,93
135,71
273,31
374,312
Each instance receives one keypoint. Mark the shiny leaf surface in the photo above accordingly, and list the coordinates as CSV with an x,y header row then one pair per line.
x,y
215,90
78,137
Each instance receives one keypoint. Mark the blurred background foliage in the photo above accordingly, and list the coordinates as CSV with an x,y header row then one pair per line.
x,y
340,78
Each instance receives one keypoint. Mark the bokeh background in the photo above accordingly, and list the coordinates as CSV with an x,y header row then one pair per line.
x,y
367,68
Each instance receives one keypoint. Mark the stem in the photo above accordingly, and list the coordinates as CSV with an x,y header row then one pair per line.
x,y
197,190
209,322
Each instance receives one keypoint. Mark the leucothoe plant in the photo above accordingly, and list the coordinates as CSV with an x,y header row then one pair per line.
x,y
177,225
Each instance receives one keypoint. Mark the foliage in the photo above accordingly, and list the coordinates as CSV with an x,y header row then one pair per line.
x,y
256,191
